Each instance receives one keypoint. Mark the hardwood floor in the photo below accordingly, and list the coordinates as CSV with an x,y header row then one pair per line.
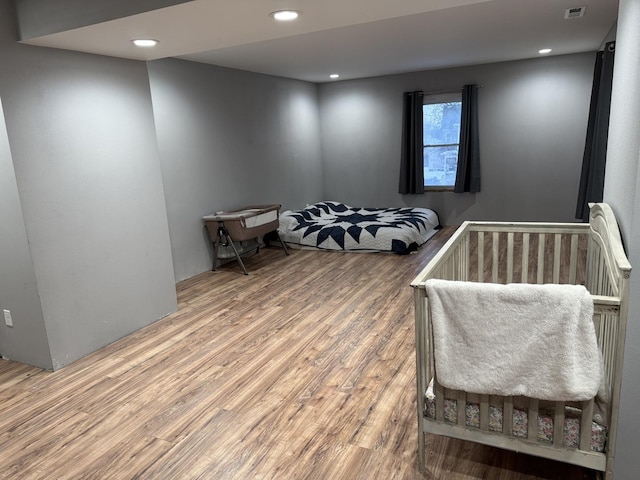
x,y
304,369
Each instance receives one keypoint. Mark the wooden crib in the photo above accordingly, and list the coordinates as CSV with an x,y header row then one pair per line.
x,y
588,254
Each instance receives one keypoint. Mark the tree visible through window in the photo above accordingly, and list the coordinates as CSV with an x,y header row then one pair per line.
x,y
441,138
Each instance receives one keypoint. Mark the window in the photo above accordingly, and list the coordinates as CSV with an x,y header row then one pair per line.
x,y
441,138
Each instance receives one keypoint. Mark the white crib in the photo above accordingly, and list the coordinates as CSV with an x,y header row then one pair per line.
x,y
589,254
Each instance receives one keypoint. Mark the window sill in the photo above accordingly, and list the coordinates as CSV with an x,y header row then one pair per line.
x,y
438,189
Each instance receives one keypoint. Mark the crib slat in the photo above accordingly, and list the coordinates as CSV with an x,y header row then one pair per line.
x,y
467,244
484,412
599,322
461,406
496,256
612,347
464,263
585,425
510,257
507,417
439,392
525,258
573,260
606,346
557,244
541,242
464,260
558,424
452,267
609,344
591,257
480,257
532,430
425,341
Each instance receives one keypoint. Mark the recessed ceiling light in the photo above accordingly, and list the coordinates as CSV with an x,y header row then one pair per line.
x,y
285,15
544,51
145,42
334,75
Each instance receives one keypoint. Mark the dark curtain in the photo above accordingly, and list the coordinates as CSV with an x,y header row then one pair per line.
x,y
468,172
595,149
412,157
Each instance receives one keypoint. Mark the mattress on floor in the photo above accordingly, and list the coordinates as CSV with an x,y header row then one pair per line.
x,y
521,422
339,227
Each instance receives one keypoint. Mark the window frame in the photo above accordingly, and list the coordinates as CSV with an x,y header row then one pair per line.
x,y
454,96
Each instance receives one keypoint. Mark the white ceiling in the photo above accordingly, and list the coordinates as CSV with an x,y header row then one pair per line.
x,y
356,38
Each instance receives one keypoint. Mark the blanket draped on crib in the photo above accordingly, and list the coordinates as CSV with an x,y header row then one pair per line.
x,y
516,339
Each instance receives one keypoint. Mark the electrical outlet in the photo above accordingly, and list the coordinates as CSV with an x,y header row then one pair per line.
x,y
7,318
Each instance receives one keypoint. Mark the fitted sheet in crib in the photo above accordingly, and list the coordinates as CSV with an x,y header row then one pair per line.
x,y
521,422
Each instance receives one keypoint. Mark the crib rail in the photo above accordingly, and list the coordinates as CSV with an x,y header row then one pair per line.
x,y
511,253
506,252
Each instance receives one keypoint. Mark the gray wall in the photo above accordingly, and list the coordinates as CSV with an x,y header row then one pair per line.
x,y
228,139
622,192
533,117
18,289
88,176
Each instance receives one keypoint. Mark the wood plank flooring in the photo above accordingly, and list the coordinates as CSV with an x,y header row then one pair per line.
x,y
304,369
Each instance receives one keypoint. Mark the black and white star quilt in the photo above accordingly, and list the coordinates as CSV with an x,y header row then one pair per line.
x,y
336,226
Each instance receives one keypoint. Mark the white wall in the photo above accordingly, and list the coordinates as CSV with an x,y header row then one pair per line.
x,y
88,175
229,139
621,191
533,118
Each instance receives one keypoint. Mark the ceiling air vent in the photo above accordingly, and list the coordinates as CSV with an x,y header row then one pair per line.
x,y
575,12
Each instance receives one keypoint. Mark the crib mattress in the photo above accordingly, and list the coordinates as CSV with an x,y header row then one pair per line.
x,y
259,219
520,422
